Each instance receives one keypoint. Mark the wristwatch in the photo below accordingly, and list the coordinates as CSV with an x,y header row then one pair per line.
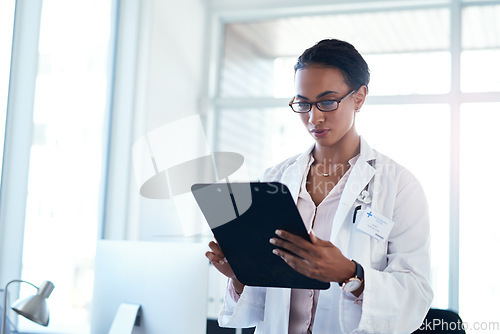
x,y
353,283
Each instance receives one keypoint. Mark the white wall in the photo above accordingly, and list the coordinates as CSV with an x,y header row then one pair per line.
x,y
175,32
170,83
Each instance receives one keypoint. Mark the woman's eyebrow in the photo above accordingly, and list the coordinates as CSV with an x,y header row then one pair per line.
x,y
319,96
326,93
301,97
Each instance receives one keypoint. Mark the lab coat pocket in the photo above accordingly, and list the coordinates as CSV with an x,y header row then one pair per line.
x,y
368,250
376,253
378,256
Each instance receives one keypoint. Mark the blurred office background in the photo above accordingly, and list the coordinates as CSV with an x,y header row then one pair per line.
x,y
87,79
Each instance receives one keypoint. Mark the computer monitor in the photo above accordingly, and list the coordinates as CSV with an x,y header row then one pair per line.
x,y
168,279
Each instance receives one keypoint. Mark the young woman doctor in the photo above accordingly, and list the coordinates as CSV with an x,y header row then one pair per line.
x,y
367,217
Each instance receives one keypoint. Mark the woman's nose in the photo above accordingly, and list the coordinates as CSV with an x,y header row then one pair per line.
x,y
316,116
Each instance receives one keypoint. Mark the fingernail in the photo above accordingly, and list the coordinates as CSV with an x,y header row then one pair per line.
x,y
272,241
278,232
275,251
221,262
225,260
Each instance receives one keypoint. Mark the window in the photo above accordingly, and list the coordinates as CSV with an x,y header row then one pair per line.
x,y
479,230
66,155
427,157
258,63
415,112
251,49
481,49
6,30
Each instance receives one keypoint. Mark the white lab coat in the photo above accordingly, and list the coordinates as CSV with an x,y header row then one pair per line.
x,y
397,293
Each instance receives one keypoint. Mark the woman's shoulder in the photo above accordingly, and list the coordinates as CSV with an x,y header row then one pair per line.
x,y
274,173
383,164
392,169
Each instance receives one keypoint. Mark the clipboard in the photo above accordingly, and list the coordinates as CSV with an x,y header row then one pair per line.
x,y
243,216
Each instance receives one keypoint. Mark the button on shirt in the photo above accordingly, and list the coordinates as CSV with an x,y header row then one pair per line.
x,y
319,218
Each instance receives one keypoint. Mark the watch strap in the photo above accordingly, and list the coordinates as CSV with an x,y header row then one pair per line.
x,y
360,274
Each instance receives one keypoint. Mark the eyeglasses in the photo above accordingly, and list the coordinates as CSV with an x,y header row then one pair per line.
x,y
324,106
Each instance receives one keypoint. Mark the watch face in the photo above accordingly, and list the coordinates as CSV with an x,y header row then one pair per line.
x,y
352,285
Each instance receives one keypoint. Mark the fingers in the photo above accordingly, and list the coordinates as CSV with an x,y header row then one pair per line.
x,y
295,239
301,265
214,258
316,259
217,258
298,245
317,241
215,247
314,238
293,248
215,255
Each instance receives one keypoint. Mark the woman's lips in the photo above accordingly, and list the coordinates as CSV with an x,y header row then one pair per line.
x,y
319,133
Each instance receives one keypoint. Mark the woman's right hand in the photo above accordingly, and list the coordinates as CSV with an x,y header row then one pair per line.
x,y
216,256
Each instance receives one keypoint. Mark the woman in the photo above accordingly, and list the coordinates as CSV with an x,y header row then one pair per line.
x,y
382,265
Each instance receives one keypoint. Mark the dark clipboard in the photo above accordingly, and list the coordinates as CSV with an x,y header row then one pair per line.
x,y
243,217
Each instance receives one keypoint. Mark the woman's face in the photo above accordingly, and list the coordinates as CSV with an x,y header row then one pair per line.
x,y
315,84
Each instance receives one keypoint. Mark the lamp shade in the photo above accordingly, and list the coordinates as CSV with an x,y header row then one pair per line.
x,y
35,307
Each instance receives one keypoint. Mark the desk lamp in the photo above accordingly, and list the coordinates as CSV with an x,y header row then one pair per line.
x,y
33,307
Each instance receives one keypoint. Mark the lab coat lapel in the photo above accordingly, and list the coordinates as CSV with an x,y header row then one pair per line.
x,y
292,177
361,174
279,299
359,177
278,309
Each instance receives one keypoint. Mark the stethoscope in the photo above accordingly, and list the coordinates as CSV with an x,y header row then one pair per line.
x,y
364,198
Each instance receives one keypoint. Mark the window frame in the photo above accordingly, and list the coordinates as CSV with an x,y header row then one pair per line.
x,y
220,16
118,122
18,137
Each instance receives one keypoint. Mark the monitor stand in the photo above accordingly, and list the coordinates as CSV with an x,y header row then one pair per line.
x,y
126,317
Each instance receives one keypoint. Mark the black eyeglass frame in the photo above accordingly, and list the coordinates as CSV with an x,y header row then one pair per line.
x,y
291,103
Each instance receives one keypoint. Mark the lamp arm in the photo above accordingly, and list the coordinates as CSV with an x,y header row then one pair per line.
x,y
4,315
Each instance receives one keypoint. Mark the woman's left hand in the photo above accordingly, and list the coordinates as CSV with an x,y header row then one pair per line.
x,y
318,259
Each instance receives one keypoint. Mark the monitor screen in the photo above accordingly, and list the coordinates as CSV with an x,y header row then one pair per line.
x,y
168,279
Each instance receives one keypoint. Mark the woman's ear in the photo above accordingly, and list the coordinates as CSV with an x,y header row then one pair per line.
x,y
359,97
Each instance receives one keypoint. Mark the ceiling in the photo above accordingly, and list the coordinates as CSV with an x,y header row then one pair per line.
x,y
388,31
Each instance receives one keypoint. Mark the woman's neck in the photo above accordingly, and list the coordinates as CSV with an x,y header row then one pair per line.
x,y
340,153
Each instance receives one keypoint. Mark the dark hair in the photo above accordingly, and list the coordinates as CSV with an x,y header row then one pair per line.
x,y
337,54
